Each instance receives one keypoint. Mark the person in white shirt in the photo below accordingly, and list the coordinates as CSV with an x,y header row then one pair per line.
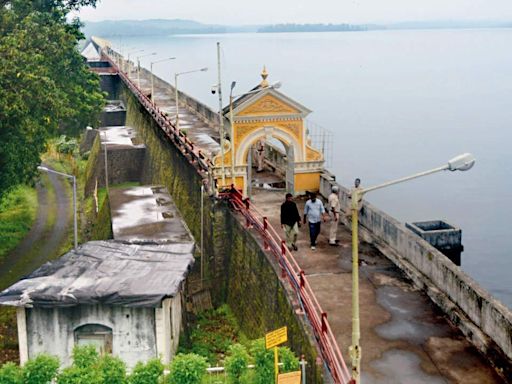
x,y
314,212
334,211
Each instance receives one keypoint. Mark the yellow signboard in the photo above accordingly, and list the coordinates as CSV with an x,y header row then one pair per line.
x,y
274,338
289,378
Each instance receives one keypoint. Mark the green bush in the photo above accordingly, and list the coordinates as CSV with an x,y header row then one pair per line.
x,y
66,144
236,363
112,369
148,373
76,375
289,360
10,373
85,356
263,361
41,370
187,369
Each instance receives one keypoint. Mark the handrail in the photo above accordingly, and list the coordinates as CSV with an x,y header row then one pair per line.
x,y
291,270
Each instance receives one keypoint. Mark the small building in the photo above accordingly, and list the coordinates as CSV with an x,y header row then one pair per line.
x,y
124,298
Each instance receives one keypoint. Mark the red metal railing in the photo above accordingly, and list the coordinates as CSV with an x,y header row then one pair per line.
x,y
291,270
272,241
202,163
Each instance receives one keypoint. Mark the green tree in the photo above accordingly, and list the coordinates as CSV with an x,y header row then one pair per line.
x,y
148,373
236,363
85,356
76,375
187,369
10,373
45,86
41,370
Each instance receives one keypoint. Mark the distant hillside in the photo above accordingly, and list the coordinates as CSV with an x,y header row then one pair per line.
x,y
156,27
162,27
316,28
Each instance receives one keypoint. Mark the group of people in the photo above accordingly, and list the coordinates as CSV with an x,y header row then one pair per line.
x,y
314,214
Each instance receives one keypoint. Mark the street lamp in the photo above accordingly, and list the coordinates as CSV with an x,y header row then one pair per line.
x,y
462,162
152,77
128,62
275,85
176,91
45,169
138,66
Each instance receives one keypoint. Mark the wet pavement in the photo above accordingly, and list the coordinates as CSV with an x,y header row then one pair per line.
x,y
198,131
146,215
405,338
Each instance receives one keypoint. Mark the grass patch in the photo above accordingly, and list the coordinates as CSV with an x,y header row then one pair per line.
x,y
17,214
213,332
8,335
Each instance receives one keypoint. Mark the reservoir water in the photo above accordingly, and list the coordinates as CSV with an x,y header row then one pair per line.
x,y
397,102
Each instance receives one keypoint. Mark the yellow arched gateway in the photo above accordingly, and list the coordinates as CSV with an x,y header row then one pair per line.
x,y
265,113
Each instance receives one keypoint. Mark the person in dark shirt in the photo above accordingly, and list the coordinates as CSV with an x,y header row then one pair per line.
x,y
290,221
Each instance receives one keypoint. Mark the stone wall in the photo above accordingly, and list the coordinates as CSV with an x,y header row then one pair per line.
x,y
124,164
237,271
485,321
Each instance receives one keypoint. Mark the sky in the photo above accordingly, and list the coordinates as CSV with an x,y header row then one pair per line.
x,y
239,12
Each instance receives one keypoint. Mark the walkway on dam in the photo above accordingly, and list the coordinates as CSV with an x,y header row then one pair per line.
x,y
404,337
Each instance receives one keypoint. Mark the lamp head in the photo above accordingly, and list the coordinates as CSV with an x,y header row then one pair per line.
x,y
276,85
462,162
42,168
204,69
233,84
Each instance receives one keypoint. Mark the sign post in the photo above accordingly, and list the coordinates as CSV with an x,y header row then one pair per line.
x,y
272,340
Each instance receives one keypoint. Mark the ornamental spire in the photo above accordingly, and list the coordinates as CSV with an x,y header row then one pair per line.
x,y
264,75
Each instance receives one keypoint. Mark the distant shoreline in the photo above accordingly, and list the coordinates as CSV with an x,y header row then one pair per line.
x,y
112,28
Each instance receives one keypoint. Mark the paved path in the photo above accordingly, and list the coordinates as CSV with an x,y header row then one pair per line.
x,y
42,242
405,338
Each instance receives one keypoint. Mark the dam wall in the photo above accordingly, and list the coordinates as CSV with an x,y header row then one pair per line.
x,y
485,321
237,270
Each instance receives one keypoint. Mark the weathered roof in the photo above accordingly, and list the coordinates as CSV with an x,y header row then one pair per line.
x,y
105,272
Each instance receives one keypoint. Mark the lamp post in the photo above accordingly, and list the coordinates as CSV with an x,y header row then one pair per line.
x,y
462,162
138,66
45,169
176,91
275,85
152,76
128,62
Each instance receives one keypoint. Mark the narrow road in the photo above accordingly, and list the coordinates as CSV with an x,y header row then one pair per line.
x,y
46,236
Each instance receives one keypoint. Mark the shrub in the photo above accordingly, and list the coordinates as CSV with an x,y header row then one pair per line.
x,y
187,369
263,361
85,356
41,370
148,373
76,375
236,363
289,360
10,373
112,369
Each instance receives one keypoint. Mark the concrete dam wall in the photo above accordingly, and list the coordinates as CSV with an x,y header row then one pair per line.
x,y
237,270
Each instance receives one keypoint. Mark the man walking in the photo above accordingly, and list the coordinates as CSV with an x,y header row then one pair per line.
x,y
290,221
313,212
334,211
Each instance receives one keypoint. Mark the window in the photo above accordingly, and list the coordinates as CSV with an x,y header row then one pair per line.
x,y
98,335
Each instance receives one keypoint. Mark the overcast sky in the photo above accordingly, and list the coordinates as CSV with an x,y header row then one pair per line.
x,y
242,12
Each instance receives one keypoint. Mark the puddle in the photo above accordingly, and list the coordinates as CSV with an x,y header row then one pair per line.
x,y
400,367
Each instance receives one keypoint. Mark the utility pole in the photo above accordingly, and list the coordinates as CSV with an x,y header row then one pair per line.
x,y
221,117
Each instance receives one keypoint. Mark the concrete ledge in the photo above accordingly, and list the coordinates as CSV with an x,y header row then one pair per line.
x,y
485,321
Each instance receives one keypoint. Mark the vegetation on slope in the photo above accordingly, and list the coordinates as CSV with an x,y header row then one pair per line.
x,y
45,86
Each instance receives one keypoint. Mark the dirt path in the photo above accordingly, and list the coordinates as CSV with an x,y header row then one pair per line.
x,y
46,236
